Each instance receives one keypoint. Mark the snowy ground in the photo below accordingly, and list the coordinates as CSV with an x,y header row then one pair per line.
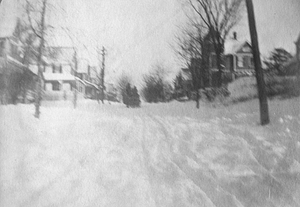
x,y
158,155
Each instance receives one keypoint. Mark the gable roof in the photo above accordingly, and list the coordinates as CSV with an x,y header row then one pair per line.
x,y
8,18
58,77
234,46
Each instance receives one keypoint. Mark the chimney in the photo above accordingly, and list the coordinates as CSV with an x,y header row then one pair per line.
x,y
234,35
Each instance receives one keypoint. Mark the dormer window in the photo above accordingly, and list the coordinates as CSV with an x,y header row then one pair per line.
x,y
246,49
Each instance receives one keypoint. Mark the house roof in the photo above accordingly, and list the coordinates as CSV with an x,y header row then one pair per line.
x,y
33,68
234,46
58,77
8,18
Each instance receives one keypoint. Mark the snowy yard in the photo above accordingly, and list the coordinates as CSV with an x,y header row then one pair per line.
x,y
157,155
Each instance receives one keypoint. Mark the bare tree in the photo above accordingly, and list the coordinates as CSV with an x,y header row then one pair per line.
x,y
276,60
36,13
189,49
188,44
155,85
122,82
74,63
219,17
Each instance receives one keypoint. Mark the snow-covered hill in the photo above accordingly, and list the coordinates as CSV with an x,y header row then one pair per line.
x,y
157,155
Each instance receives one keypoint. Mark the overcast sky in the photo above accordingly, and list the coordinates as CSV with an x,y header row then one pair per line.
x,y
140,33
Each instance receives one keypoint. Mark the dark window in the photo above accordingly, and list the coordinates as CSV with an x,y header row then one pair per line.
x,y
2,48
251,62
245,61
14,51
55,86
56,69
213,61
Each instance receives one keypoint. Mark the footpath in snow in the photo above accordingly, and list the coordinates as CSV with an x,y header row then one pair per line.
x,y
158,155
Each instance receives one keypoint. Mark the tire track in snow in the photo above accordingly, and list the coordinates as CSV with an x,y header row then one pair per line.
x,y
146,162
218,196
267,177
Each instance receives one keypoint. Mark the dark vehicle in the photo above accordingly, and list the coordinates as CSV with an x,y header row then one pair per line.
x,y
131,98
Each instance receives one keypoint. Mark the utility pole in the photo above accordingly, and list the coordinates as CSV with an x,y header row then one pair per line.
x,y
262,95
102,74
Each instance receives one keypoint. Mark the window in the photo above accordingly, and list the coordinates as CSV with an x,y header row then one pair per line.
x,y
246,61
55,86
14,50
251,62
240,62
213,61
56,69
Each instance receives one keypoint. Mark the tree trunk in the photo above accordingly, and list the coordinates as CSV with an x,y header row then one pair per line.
x,y
219,65
40,56
298,59
197,99
75,83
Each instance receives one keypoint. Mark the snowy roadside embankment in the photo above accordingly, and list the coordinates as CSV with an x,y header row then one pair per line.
x,y
158,155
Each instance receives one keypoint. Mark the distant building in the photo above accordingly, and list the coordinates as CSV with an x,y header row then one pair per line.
x,y
88,78
293,66
58,74
238,62
238,58
11,65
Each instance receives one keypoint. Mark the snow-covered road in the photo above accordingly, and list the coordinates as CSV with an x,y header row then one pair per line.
x,y
158,155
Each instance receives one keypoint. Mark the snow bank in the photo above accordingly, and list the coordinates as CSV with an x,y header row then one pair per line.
x,y
167,154
243,89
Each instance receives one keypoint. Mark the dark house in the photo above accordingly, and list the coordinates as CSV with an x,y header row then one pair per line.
x,y
238,62
237,59
11,66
